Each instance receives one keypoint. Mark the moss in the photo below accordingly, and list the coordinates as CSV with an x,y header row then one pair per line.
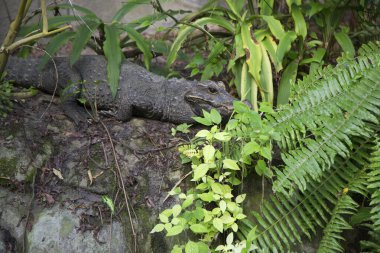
x,y
8,166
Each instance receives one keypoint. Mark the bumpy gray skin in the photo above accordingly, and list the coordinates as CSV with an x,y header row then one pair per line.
x,y
141,93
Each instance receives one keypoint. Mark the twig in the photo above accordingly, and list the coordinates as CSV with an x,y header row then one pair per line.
x,y
178,183
123,186
26,40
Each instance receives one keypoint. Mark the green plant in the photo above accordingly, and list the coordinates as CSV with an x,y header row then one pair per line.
x,y
9,45
329,142
219,160
270,46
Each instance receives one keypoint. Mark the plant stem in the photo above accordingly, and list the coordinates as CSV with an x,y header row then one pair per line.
x,y
12,32
26,40
45,26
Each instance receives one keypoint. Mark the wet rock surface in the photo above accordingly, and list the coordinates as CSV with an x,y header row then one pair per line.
x,y
53,175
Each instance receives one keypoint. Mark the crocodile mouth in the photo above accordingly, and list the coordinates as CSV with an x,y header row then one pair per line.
x,y
198,104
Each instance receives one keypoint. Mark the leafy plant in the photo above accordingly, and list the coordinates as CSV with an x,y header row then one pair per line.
x,y
267,46
219,159
327,137
329,142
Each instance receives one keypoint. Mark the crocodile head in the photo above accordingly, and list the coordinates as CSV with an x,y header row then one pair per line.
x,y
207,95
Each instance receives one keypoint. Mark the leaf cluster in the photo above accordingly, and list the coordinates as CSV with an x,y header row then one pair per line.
x,y
219,159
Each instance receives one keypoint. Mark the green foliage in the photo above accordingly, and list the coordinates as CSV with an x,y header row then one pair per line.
x,y
342,104
219,159
329,142
326,137
266,42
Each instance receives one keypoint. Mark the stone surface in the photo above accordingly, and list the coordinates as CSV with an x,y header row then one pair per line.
x,y
69,168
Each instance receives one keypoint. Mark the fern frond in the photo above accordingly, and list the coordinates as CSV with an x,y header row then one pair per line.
x,y
374,185
332,127
373,245
320,91
324,73
283,220
345,206
331,238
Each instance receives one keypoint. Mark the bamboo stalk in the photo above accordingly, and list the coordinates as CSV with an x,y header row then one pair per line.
x,y
26,40
45,26
12,32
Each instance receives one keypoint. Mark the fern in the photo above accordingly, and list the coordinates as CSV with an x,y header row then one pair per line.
x,y
283,220
327,135
374,184
331,113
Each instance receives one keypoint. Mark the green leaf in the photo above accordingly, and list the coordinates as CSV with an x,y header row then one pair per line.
x,y
252,51
345,42
271,46
202,247
266,77
208,197
266,152
208,153
299,21
285,44
54,45
176,210
163,218
240,198
275,26
158,228
261,167
127,7
203,133
176,249
191,247
141,43
287,79
175,230
230,164
199,229
230,238
218,224
200,171
266,7
203,121
223,205
109,203
222,136
113,53
75,7
187,30
250,148
235,6
215,116
83,35
240,107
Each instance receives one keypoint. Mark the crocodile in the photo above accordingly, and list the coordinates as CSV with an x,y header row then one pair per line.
x,y
140,93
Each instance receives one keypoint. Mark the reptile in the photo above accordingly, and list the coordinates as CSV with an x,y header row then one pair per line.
x,y
140,93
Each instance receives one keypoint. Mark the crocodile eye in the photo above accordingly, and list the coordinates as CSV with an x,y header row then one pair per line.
x,y
212,90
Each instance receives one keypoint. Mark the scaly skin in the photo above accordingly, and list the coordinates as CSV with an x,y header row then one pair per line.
x,y
141,93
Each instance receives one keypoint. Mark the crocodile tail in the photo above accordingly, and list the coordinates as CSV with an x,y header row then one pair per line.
x,y
54,77
23,72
